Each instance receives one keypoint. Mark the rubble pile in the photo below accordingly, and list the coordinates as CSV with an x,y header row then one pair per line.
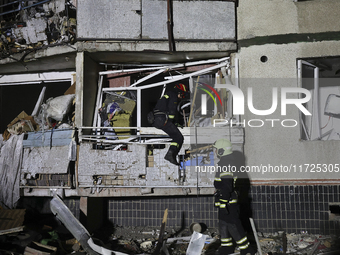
x,y
143,240
40,234
33,26
302,243
44,234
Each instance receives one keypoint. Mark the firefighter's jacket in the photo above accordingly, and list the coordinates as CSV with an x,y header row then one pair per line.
x,y
167,104
224,183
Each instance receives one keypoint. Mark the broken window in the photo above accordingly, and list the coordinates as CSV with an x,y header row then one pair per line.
x,y
125,97
39,108
20,93
321,76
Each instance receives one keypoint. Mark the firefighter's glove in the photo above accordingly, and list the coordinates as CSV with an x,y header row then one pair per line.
x,y
171,118
178,125
225,206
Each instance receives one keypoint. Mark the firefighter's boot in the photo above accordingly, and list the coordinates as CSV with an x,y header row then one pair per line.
x,y
171,155
225,250
248,251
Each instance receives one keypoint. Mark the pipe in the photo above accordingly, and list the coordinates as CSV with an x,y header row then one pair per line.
x,y
115,186
316,103
99,91
186,76
237,83
299,74
172,46
148,77
139,108
39,102
255,235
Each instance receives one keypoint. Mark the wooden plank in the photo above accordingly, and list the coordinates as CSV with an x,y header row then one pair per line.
x,y
31,251
10,219
47,247
12,230
161,233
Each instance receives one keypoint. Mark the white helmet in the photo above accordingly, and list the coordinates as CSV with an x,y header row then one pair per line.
x,y
223,147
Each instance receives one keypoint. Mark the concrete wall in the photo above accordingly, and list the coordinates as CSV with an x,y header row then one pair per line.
x,y
273,144
147,19
86,89
280,145
263,17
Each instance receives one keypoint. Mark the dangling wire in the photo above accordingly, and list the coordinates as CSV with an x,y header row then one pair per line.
x,y
178,72
169,73
327,122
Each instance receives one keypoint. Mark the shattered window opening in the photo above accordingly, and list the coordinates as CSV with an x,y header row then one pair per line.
x,y
321,77
146,86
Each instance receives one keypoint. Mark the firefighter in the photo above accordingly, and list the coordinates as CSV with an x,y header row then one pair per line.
x,y
230,225
165,118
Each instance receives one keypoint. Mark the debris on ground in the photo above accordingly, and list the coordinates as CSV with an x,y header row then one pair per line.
x,y
298,243
28,232
46,234
144,240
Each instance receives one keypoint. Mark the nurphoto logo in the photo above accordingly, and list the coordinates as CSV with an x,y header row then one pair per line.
x,y
238,104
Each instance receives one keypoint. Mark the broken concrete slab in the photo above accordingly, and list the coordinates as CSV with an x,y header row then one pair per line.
x,y
63,213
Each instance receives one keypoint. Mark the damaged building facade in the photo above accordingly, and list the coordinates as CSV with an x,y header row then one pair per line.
x,y
86,75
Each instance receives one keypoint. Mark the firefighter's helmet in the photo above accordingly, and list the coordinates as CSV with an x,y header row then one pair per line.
x,y
223,147
182,89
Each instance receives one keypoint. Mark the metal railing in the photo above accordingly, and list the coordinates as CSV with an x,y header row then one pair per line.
x,y
21,6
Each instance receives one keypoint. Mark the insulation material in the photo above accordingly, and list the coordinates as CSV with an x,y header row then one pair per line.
x,y
124,117
58,107
116,111
10,165
128,105
122,120
33,32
